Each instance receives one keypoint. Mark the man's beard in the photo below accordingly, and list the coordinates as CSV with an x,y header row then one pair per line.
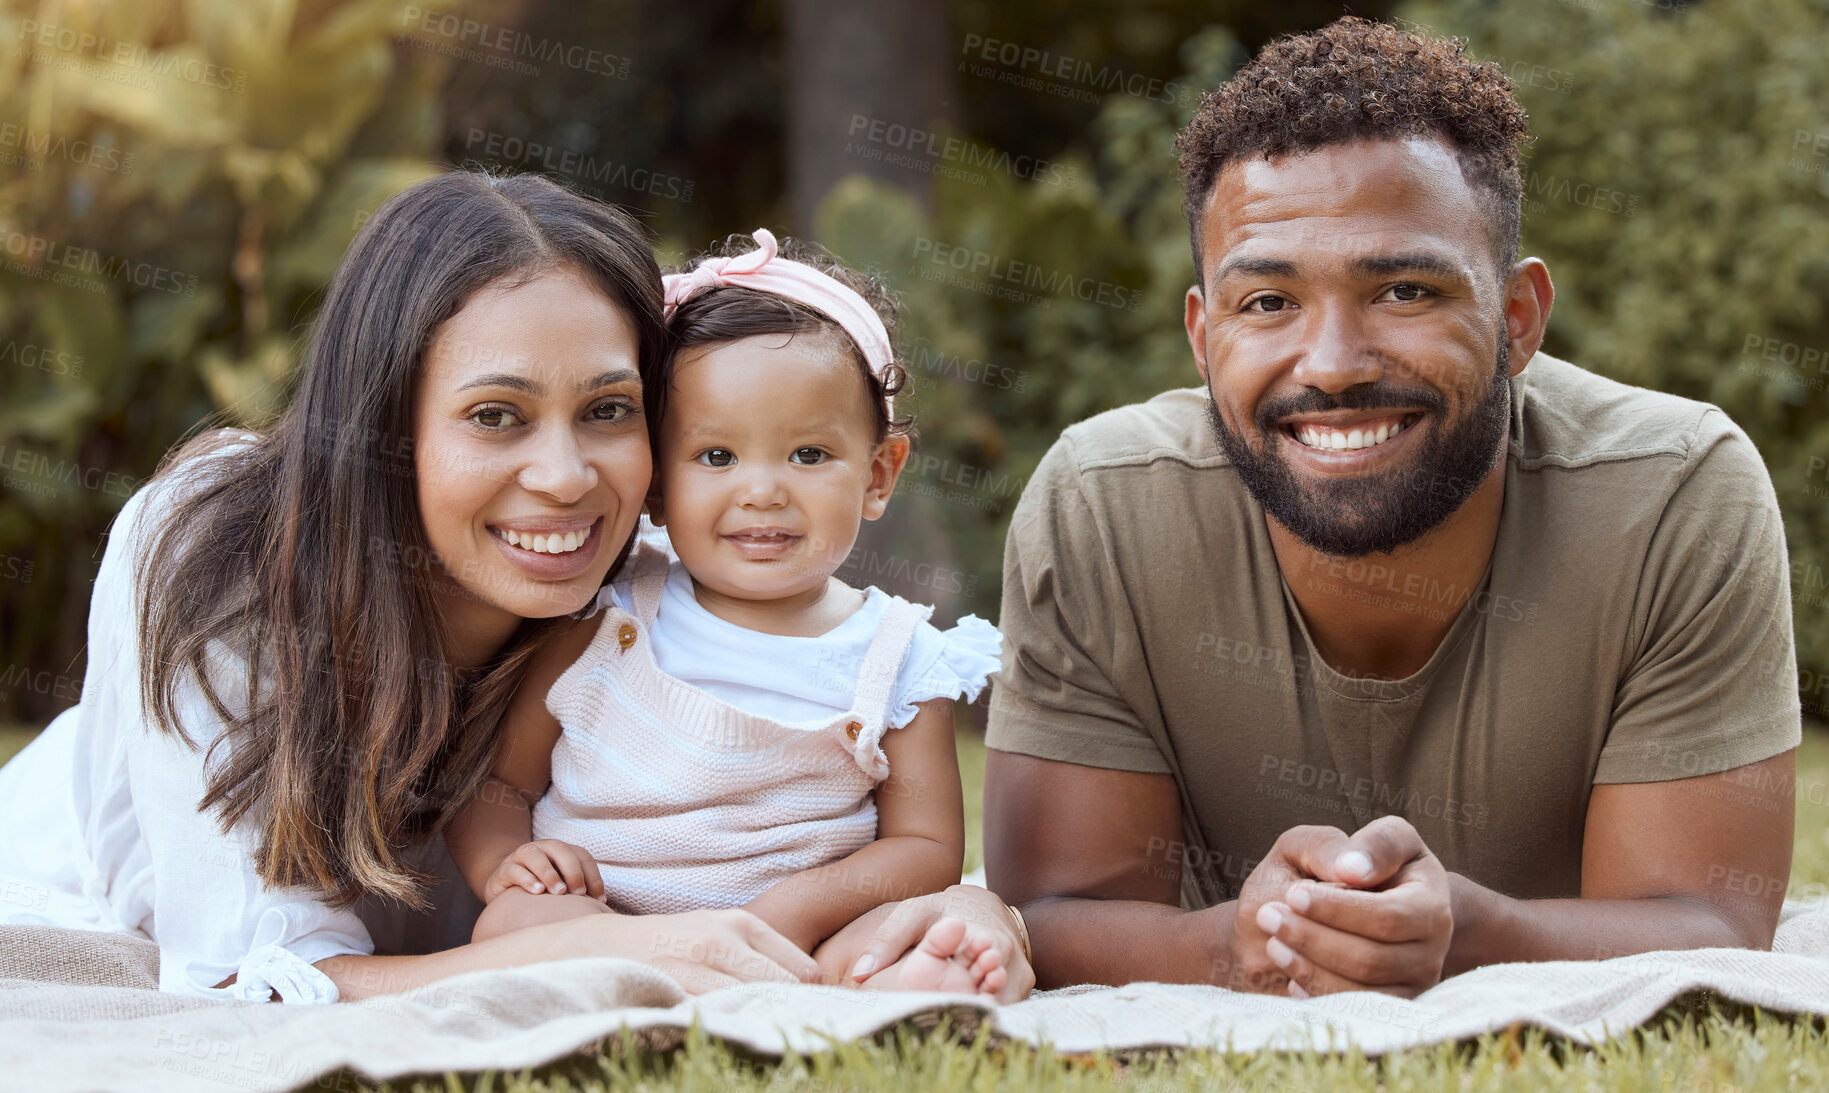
x,y
1379,512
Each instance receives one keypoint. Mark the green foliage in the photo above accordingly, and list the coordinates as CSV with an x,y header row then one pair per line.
x,y
1685,227
1676,188
1031,304
180,182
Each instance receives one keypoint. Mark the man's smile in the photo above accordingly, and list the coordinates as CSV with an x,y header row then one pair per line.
x,y
1351,432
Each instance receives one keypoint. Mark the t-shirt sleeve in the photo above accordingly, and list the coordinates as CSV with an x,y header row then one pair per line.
x,y
1064,608
1713,677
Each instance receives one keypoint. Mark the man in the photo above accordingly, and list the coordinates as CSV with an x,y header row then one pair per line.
x,y
1524,631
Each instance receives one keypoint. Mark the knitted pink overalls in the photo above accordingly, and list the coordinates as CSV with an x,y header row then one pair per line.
x,y
688,802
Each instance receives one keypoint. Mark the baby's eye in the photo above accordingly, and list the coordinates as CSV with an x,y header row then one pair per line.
x,y
493,417
809,456
717,457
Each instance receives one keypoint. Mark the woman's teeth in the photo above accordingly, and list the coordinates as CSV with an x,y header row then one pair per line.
x,y
553,543
1329,439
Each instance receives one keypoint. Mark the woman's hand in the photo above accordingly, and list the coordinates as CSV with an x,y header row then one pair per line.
x,y
702,950
546,865
896,928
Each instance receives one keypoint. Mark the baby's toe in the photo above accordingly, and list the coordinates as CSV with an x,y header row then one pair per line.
x,y
986,960
944,938
993,980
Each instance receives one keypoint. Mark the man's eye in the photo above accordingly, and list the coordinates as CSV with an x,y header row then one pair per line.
x,y
493,417
1271,303
717,457
1409,293
809,456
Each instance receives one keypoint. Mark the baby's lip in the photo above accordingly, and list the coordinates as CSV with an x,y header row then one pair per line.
x,y
763,534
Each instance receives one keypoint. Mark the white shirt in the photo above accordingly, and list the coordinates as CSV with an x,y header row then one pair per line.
x,y
99,828
749,669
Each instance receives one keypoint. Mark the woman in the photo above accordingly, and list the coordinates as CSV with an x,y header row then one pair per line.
x,y
300,643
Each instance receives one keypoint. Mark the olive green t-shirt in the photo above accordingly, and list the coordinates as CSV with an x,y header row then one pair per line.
x,y
1633,625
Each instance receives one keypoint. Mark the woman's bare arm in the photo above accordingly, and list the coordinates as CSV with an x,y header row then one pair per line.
x,y
702,950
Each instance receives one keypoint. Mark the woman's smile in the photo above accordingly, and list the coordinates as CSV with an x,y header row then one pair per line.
x,y
557,551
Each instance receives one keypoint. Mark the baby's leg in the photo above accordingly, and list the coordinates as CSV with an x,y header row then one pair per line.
x,y
517,909
952,956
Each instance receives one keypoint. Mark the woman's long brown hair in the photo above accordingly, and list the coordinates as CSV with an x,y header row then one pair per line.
x,y
354,738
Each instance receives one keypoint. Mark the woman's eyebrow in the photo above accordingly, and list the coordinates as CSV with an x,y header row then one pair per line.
x,y
533,387
609,379
508,380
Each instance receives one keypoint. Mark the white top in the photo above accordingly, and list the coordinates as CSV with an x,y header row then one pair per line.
x,y
702,763
99,828
744,667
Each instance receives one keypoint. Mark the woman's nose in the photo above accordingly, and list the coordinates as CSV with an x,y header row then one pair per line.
x,y
557,467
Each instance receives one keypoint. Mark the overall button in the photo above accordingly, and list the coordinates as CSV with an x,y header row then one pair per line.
x,y
625,635
853,729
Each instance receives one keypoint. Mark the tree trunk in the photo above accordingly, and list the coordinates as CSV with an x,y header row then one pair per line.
x,y
863,77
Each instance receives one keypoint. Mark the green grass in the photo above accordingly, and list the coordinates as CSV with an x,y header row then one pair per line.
x,y
971,776
1810,858
1700,1049
1692,1046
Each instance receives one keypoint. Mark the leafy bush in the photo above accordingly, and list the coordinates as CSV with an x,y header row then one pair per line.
x,y
1677,191
177,182
1029,304
1675,188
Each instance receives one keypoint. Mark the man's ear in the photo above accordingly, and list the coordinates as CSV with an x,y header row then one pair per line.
x,y
1528,296
886,465
1196,322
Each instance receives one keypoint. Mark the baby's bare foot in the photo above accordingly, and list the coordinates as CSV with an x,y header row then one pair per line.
x,y
951,957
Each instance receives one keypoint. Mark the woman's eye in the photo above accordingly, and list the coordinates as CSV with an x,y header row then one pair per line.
x,y
612,411
1409,293
493,417
1271,303
809,456
717,457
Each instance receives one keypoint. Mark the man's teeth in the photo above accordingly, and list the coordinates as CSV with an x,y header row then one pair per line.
x,y
554,543
1345,440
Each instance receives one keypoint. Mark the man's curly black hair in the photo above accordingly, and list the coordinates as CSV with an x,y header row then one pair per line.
x,y
1356,79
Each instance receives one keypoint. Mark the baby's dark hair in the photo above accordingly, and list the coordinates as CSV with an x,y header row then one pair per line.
x,y
728,313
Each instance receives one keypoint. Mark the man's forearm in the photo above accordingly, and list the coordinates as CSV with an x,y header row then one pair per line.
x,y
1490,928
1125,941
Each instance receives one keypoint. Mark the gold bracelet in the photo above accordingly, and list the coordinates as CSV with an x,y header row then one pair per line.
x,y
1022,934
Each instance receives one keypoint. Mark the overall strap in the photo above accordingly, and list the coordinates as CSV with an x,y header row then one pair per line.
x,y
649,582
883,661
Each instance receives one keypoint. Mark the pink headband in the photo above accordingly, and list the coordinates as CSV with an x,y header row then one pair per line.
x,y
761,270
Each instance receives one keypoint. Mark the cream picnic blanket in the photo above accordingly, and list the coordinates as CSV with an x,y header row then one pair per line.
x,y
59,1030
